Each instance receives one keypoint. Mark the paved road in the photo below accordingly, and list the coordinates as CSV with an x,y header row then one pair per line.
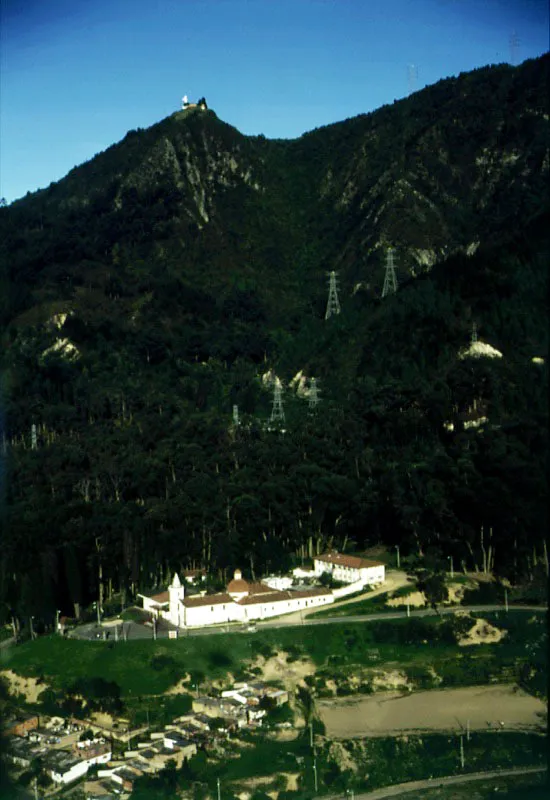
x,y
134,631
413,786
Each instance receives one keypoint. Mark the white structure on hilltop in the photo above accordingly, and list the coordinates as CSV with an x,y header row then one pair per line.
x,y
185,104
176,594
243,601
350,569
246,601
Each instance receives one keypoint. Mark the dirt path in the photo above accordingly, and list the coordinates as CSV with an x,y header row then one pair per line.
x,y
391,713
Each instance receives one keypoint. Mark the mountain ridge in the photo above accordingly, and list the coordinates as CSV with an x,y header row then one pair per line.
x,y
147,293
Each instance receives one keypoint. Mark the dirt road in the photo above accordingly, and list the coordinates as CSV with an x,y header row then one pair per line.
x,y
401,789
391,713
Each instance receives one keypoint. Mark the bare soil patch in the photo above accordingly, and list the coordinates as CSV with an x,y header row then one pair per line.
x,y
292,779
389,679
389,713
414,599
278,668
181,687
30,688
482,632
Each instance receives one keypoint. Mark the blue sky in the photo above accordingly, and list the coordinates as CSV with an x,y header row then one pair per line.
x,y
76,75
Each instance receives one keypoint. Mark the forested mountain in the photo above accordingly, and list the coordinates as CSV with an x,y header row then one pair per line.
x,y
148,292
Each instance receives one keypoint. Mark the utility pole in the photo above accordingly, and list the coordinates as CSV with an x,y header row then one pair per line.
x,y
333,304
467,730
390,278
462,751
219,791
506,599
277,411
315,774
408,609
311,735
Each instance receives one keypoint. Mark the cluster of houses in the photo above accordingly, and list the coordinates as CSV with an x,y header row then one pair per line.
x,y
234,709
245,601
30,737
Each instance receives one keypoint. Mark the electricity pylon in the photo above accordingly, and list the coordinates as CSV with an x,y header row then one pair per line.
x,y
277,411
333,304
313,398
390,278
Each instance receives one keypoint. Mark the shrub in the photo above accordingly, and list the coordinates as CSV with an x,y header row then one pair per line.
x,y
219,659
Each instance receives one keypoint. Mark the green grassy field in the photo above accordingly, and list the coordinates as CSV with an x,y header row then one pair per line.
x,y
373,605
146,667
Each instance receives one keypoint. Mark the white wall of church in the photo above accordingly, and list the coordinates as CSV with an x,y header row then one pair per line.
x,y
275,609
216,614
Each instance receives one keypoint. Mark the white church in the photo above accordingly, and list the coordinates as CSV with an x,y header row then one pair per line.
x,y
245,601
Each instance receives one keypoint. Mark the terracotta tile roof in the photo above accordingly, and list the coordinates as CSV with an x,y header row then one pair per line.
x,y
238,585
341,560
259,588
278,597
207,600
161,598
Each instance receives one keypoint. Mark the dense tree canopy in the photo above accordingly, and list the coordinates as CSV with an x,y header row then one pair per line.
x,y
146,294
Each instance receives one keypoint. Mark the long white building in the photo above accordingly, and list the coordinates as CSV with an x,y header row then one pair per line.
x,y
242,602
245,601
350,569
